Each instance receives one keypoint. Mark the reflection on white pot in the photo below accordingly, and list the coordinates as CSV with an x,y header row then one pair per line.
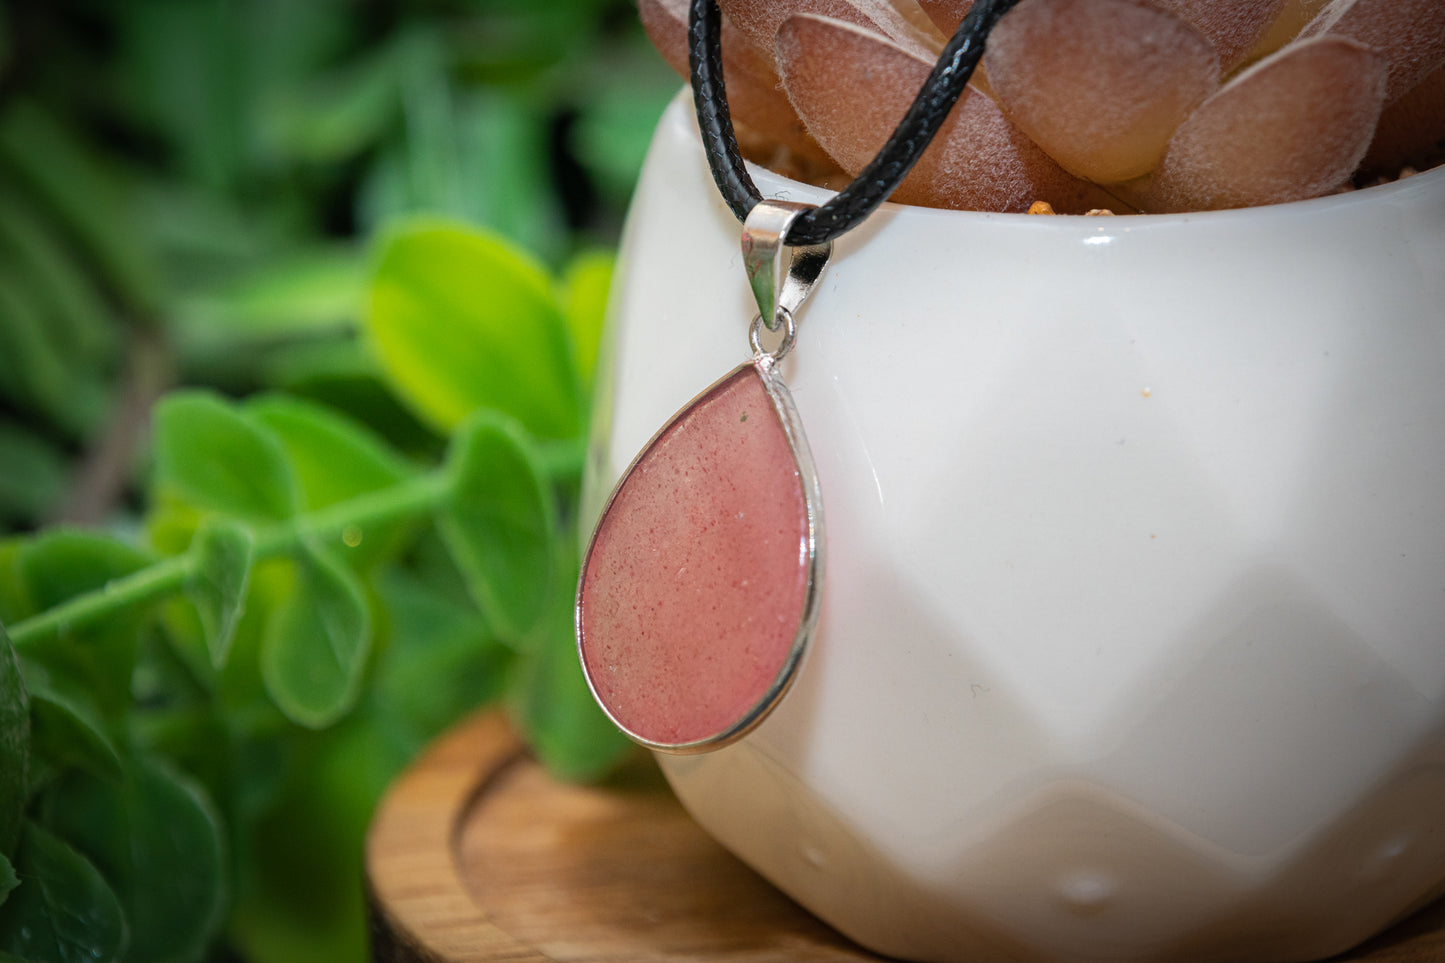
x,y
1133,632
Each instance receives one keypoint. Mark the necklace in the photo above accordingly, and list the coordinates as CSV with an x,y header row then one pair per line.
x,y
701,586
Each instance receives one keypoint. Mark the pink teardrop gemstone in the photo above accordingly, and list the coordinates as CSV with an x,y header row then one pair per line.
x,y
697,593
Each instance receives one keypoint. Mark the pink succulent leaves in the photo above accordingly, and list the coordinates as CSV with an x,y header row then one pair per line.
x,y
978,160
1118,80
699,589
1296,124
1154,105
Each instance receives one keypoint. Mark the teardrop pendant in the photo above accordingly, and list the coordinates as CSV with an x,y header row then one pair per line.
x,y
700,588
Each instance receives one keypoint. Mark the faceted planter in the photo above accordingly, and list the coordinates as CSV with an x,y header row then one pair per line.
x,y
1132,642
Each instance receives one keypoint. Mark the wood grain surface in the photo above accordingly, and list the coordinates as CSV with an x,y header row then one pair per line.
x,y
477,855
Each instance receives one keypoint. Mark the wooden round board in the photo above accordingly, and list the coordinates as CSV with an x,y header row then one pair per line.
x,y
475,855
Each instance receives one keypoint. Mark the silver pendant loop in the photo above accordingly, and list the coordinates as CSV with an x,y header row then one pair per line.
x,y
790,334
762,244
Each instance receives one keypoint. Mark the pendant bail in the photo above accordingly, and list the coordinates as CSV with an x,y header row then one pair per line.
x,y
764,232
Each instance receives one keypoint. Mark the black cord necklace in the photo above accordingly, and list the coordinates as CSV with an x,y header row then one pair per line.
x,y
702,585
883,174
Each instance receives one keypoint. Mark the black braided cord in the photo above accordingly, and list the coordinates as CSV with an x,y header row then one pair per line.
x,y
847,209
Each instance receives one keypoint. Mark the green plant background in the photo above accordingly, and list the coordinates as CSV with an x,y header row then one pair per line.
x,y
299,305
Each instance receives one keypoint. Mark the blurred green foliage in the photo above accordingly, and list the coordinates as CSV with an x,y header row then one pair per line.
x,y
184,186
299,306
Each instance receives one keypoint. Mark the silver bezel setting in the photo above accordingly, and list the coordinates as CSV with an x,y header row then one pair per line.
x,y
782,400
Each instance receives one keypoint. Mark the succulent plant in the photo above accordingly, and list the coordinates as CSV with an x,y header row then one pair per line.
x,y
1125,105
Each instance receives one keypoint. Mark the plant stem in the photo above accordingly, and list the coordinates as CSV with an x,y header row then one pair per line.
x,y
402,500
101,479
146,585
413,496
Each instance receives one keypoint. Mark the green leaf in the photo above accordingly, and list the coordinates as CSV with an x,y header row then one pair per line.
x,y
460,320
285,44
68,732
204,230
180,714
224,551
520,37
14,746
212,456
183,68
440,662
334,458
555,710
34,476
344,376
303,361
316,643
35,374
8,879
300,893
61,173
156,836
64,563
99,658
83,323
64,911
426,99
307,291
628,89
15,602
584,303
338,115
499,521
240,688
503,179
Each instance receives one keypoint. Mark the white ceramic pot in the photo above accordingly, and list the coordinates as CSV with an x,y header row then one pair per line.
x,y
1133,632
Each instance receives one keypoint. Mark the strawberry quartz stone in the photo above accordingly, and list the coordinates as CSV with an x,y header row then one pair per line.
x,y
697,580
